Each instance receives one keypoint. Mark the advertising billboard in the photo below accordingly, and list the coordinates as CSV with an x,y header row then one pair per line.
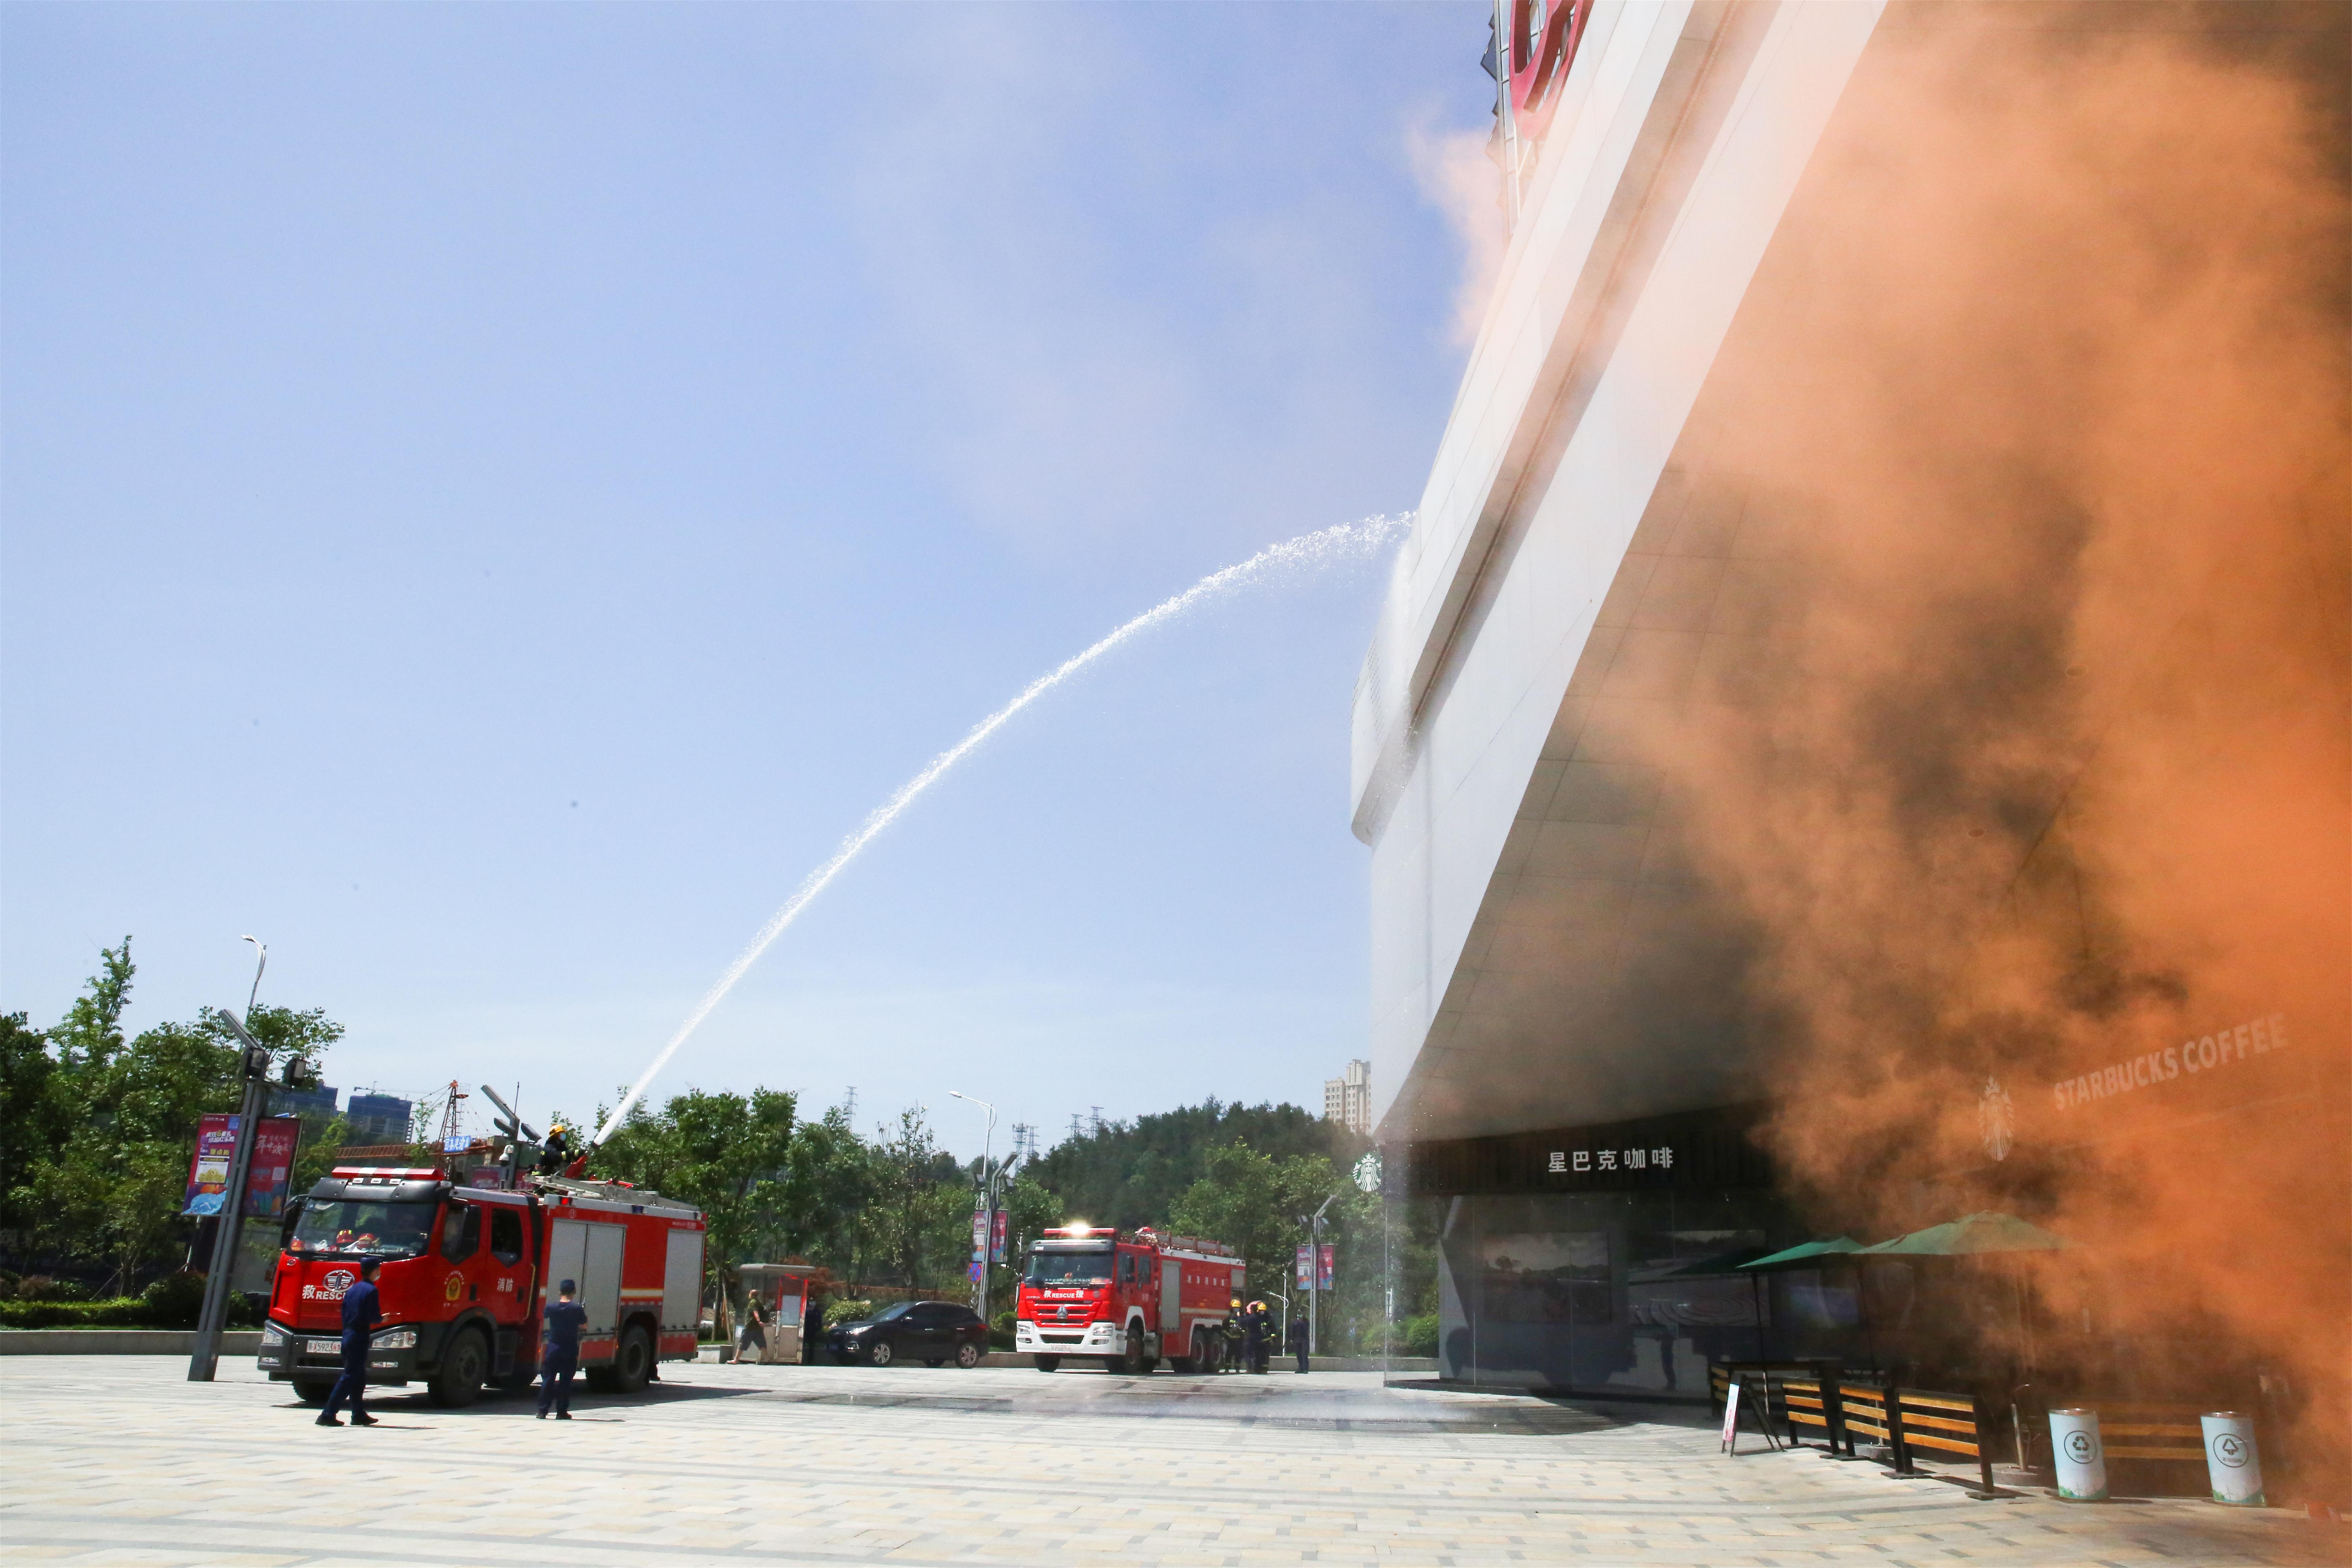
x,y
273,1146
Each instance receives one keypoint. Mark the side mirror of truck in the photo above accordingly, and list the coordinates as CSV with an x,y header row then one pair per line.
x,y
286,1224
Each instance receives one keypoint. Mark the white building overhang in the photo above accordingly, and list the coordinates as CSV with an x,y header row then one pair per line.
x,y
1495,805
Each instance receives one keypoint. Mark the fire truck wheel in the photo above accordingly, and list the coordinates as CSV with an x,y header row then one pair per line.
x,y
1046,1362
313,1390
967,1355
633,1366
1138,1360
459,1380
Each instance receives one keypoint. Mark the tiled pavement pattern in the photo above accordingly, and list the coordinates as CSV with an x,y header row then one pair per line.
x,y
117,1460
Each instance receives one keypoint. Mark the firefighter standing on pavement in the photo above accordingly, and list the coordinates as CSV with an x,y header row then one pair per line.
x,y
559,1351
1254,1330
362,1312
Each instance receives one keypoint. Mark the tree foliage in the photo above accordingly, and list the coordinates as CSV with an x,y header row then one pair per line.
x,y
1130,1174
99,1128
725,1154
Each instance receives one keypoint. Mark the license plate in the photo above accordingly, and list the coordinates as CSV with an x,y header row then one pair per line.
x,y
322,1347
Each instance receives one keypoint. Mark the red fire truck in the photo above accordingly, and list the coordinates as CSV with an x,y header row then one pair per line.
x,y
1126,1299
465,1273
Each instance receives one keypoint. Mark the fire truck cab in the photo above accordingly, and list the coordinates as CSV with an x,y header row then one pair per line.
x,y
465,1273
1125,1298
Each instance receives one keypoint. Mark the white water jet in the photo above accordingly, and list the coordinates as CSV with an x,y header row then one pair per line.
x,y
1337,542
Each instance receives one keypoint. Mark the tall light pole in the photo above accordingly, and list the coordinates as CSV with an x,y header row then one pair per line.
x,y
1314,1223
984,1208
261,962
255,1062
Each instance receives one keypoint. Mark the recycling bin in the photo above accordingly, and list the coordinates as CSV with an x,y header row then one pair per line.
x,y
2076,1455
2231,1459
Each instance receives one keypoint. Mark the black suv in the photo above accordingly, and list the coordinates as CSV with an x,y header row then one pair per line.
x,y
933,1332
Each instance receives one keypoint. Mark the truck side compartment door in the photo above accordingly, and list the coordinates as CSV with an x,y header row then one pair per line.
x,y
567,1253
599,1279
682,1283
1171,1296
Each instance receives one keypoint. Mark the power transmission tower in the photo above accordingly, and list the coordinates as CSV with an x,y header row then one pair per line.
x,y
849,1106
1095,1121
1076,1130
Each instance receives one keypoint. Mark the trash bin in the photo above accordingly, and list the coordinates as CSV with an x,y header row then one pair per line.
x,y
2231,1459
2076,1455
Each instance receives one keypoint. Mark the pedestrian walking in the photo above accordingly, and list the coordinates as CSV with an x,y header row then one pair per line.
x,y
754,1331
362,1312
558,1350
813,1330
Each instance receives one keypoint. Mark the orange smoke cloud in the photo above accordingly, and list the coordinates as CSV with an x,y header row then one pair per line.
x,y
2038,792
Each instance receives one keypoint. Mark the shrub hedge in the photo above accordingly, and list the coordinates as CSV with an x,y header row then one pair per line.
x,y
122,1312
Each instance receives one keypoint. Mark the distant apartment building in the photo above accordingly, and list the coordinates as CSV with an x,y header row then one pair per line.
x,y
378,1118
1347,1098
316,1104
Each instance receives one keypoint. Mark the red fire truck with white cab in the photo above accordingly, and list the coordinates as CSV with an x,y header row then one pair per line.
x,y
465,1273
1127,1298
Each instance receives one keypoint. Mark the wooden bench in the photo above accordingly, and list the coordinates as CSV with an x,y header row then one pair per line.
x,y
1948,1423
1804,1403
2165,1432
1863,1409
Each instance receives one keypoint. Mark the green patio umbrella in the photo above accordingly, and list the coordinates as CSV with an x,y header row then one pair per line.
x,y
1985,1234
1831,1252
1804,1254
1967,1237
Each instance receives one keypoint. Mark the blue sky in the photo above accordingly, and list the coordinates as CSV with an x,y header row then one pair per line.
x,y
492,495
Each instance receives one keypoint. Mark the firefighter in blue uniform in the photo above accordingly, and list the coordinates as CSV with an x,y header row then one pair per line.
x,y
362,1312
559,1351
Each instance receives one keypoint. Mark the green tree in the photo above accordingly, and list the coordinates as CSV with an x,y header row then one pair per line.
x,y
821,1208
1252,1203
108,1183
725,1154
921,1208
1130,1174
33,1114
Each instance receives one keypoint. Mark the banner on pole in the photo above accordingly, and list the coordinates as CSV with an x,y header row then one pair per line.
x,y
996,1243
1306,1266
274,1144
979,1238
1326,1264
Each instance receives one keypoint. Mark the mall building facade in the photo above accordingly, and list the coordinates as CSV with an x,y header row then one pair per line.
x,y
1565,1078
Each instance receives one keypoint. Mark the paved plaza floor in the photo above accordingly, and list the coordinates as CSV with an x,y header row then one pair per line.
x,y
119,1460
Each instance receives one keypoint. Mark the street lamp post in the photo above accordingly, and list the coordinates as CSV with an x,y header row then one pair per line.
x,y
1314,1223
985,1206
205,1357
